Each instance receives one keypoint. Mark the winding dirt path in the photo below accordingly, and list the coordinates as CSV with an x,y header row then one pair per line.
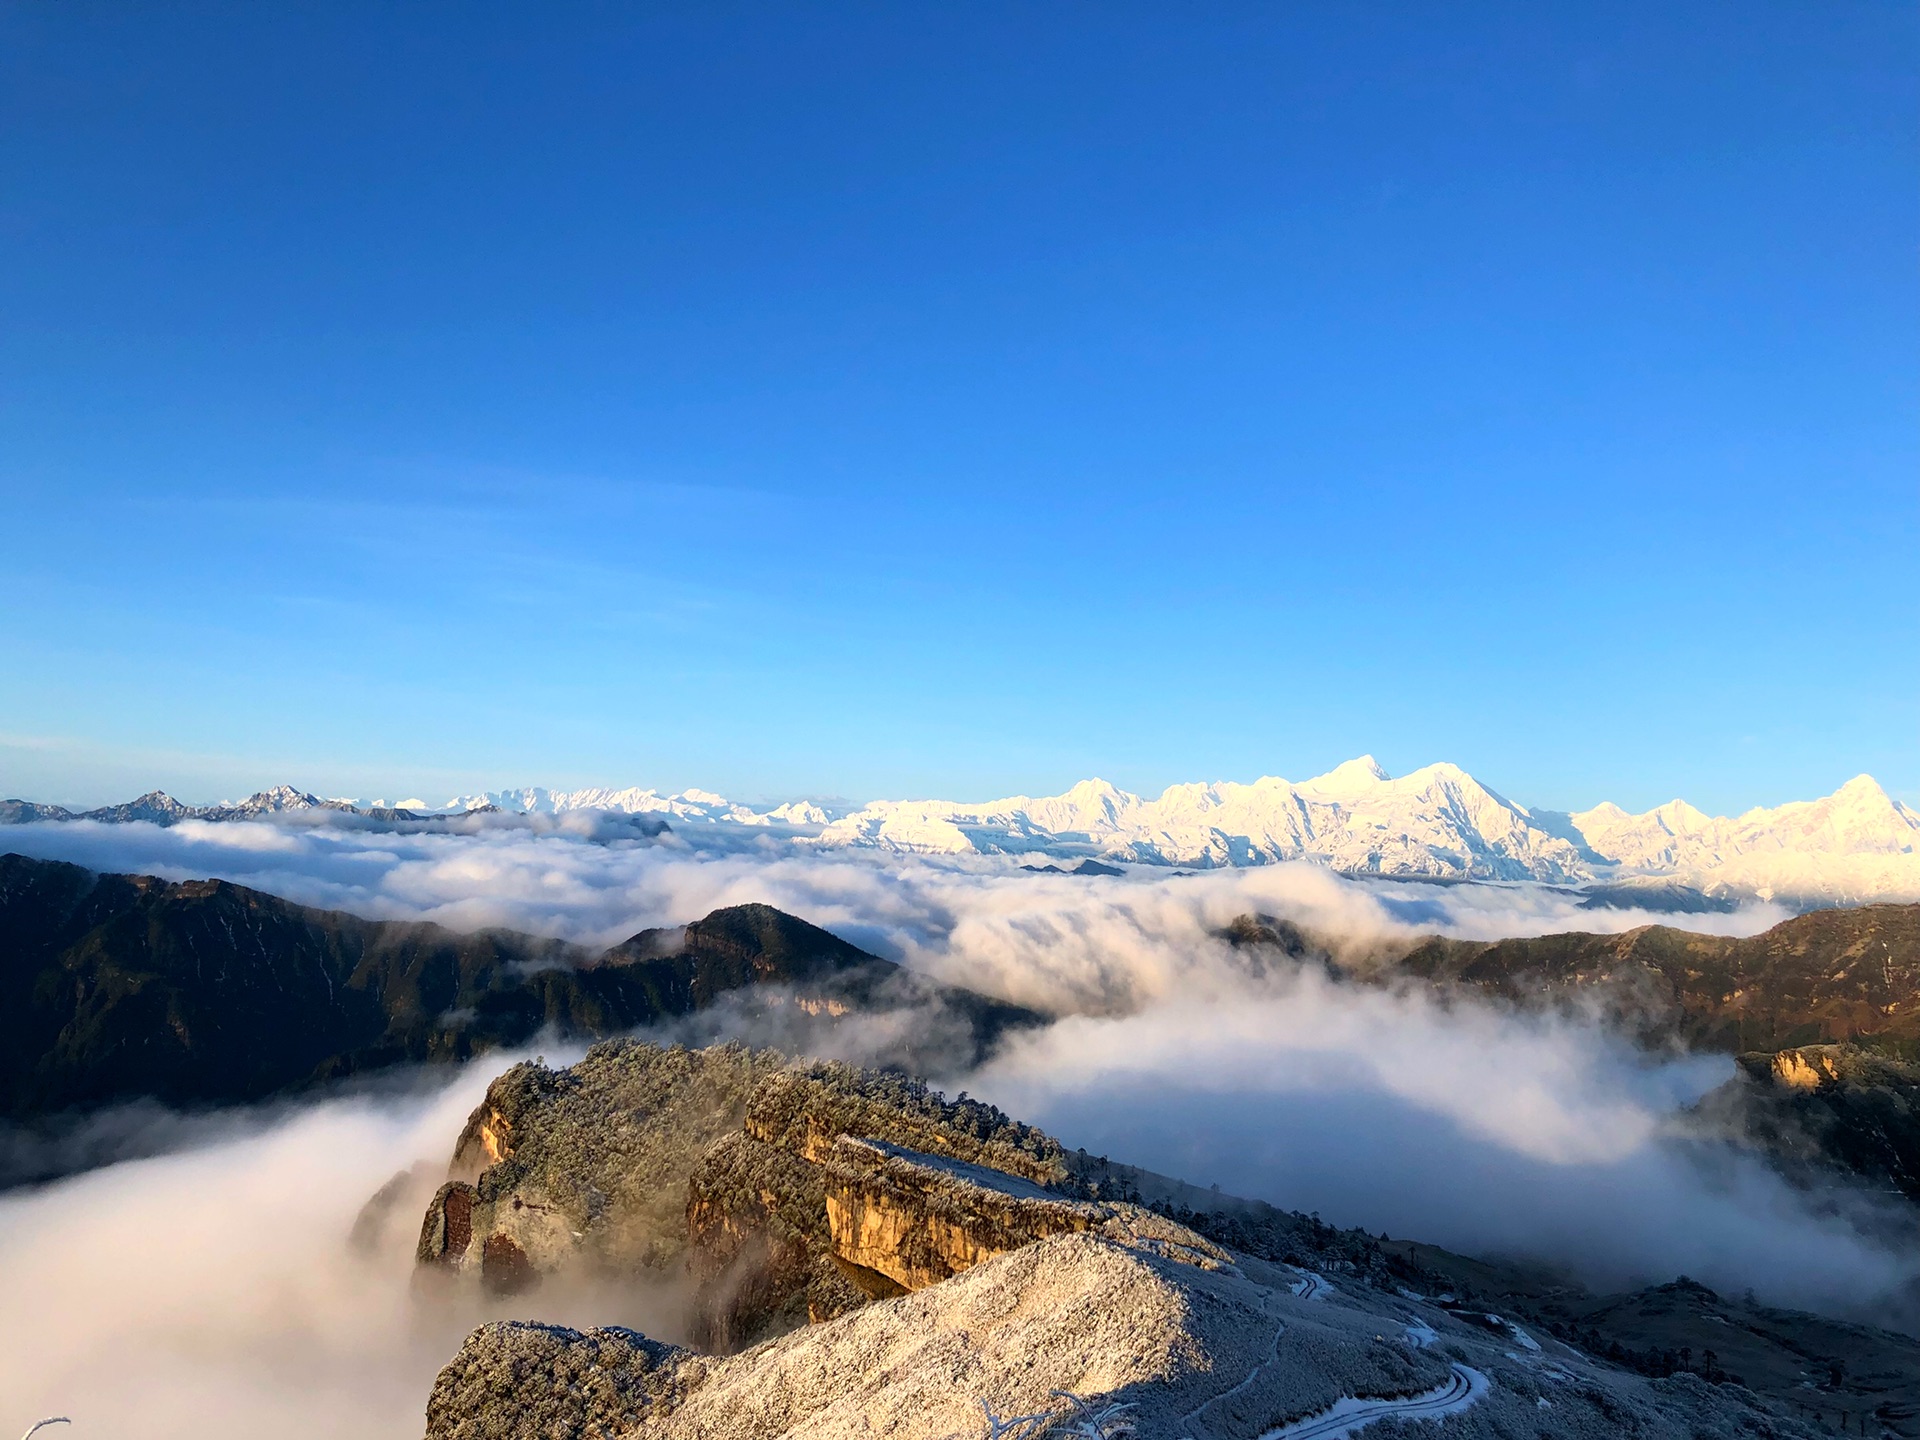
x,y
1463,1389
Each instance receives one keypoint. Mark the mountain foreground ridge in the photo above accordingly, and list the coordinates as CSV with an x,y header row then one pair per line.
x,y
865,1256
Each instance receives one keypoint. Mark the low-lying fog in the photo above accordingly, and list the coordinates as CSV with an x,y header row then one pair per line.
x,y
213,1290
216,1291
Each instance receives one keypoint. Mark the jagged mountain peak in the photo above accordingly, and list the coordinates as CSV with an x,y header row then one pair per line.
x,y
280,797
1444,775
1680,817
1863,792
1361,773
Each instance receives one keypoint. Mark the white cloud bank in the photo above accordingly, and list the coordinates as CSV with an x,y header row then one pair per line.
x,y
1483,1131
966,916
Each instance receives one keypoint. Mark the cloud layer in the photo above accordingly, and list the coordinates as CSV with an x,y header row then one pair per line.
x,y
1060,940
1483,1131
212,1290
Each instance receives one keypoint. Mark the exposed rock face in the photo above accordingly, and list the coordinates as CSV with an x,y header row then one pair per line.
x,y
1807,1068
1817,1067
918,1220
758,1206
756,1222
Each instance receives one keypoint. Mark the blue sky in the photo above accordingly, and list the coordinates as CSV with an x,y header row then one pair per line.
x,y
891,400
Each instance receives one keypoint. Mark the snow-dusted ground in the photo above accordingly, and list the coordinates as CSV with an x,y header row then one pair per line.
x,y
1221,1353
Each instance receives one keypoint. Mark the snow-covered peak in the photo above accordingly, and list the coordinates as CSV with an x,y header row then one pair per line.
x,y
1608,825
802,812
281,799
1864,798
1857,843
1682,818
1092,807
1863,785
1353,777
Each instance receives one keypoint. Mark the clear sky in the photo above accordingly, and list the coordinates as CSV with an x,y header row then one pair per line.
x,y
959,399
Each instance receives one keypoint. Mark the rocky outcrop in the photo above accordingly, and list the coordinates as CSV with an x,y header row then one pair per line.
x,y
641,1160
790,1194
914,1220
804,1110
1823,1010
1817,1106
586,1168
1817,1067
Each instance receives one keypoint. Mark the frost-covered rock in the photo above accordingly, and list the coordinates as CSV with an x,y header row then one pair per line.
x,y
1180,1350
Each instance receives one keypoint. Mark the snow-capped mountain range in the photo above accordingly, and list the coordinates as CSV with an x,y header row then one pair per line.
x,y
1435,823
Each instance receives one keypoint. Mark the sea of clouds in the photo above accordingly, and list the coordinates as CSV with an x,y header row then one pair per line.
x,y
212,1290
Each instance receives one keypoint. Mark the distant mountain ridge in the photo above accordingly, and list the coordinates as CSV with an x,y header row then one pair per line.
x,y
1437,823
122,987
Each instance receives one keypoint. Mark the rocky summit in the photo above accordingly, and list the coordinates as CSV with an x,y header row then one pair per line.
x,y
865,1257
